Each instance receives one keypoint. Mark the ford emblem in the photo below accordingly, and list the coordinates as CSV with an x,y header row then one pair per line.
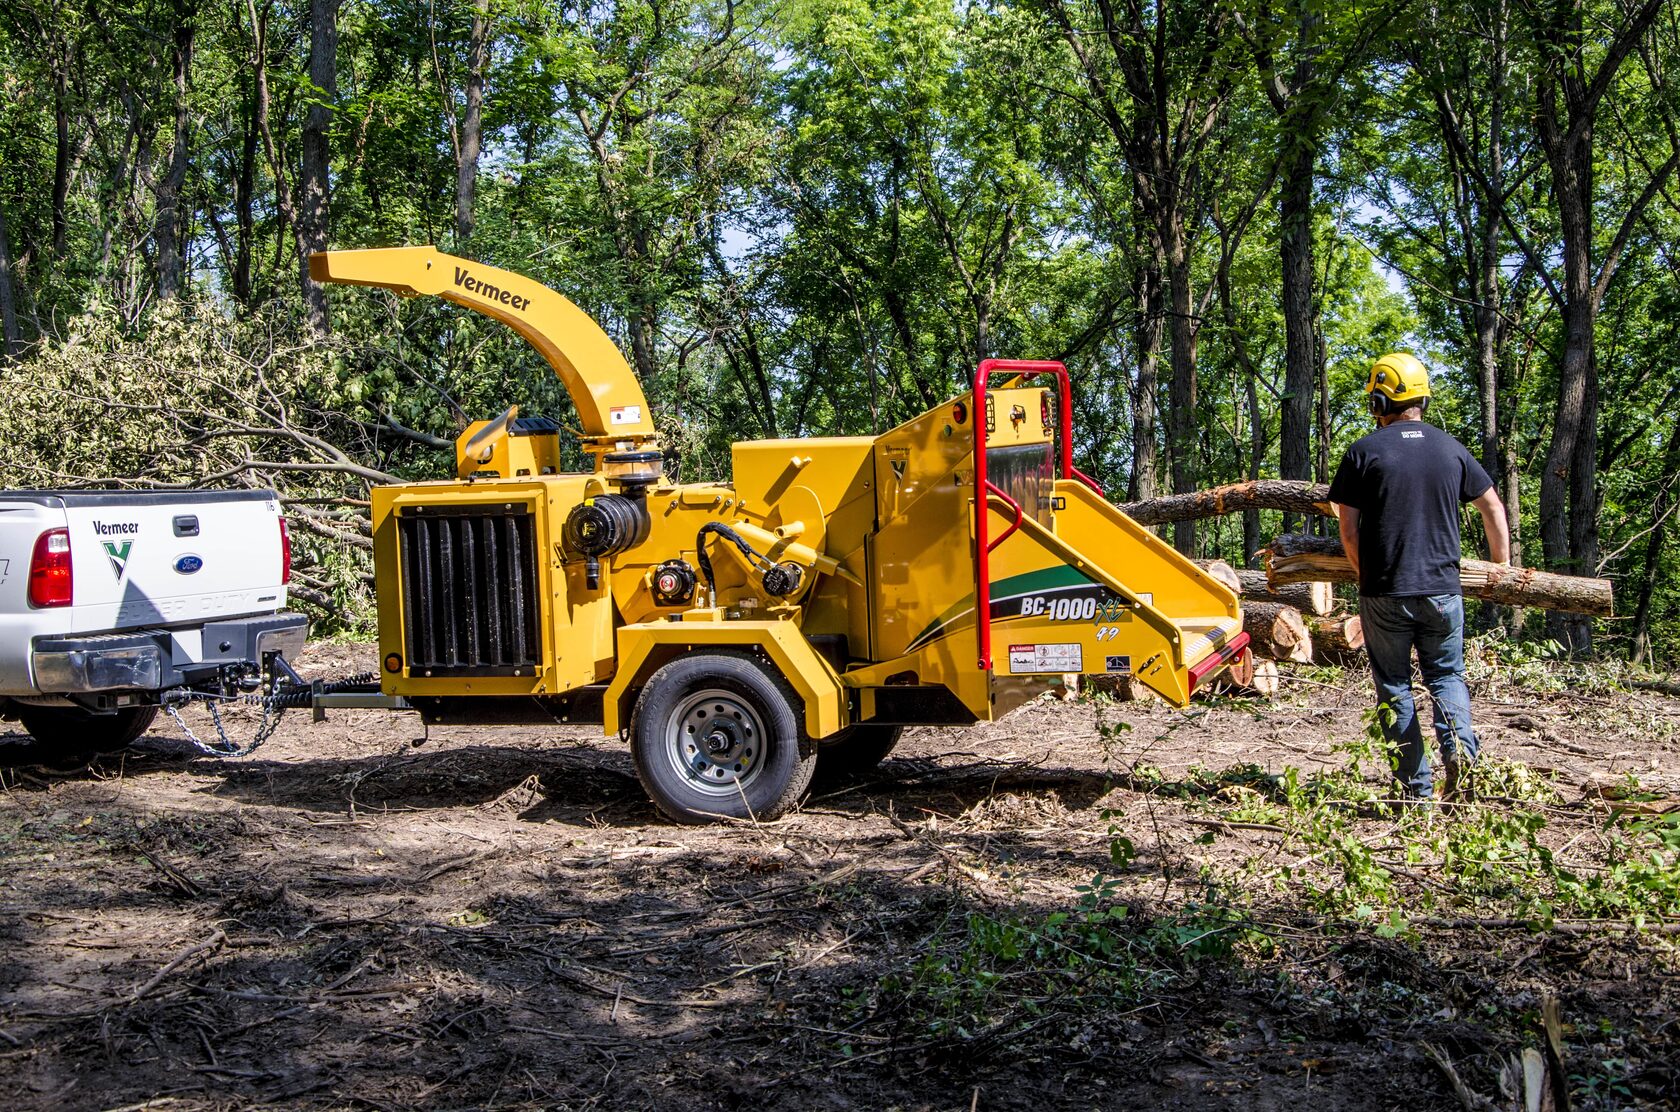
x,y
188,564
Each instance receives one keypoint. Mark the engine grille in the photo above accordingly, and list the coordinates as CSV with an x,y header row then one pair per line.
x,y
469,577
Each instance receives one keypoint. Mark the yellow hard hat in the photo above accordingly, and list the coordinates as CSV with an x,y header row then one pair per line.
x,y
1399,377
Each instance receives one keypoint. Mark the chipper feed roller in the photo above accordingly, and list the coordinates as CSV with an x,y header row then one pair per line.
x,y
836,591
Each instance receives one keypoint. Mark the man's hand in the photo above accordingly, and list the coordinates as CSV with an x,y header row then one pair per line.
x,y
1498,529
1347,520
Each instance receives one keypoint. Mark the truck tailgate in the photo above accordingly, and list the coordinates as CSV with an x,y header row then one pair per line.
x,y
151,558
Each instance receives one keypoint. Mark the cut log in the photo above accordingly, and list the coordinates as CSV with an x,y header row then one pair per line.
x,y
1260,677
1294,558
1277,631
1288,495
1338,636
1315,597
1265,680
1224,573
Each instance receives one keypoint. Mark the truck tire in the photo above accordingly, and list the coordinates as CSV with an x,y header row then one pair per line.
x,y
855,751
720,735
74,730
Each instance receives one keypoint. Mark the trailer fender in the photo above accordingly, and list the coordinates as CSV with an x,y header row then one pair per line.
x,y
644,647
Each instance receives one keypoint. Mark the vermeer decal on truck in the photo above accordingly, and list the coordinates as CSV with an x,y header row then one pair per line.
x,y
117,551
119,555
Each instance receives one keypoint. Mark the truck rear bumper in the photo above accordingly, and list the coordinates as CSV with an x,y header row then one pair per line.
x,y
157,659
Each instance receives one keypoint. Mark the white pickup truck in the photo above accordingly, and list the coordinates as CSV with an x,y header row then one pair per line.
x,y
113,601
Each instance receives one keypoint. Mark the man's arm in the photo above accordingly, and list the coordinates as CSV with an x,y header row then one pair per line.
x,y
1347,520
1498,529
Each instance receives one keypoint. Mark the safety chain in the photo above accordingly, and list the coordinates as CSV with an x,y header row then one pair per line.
x,y
273,707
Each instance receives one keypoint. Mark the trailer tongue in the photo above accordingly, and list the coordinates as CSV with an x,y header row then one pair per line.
x,y
837,590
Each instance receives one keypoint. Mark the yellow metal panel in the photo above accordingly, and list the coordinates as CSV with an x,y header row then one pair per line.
x,y
1176,586
609,401
511,457
806,671
575,623
834,468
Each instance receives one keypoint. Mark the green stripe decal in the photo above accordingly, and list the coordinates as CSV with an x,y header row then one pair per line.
x,y
1045,579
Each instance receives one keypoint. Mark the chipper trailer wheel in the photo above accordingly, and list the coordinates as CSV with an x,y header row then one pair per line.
x,y
716,734
855,751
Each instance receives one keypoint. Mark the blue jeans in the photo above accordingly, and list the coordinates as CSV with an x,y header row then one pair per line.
x,y
1434,625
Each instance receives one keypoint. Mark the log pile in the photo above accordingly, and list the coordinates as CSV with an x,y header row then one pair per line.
x,y
1294,558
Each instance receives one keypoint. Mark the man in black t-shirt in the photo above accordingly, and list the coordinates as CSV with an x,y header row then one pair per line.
x,y
1399,490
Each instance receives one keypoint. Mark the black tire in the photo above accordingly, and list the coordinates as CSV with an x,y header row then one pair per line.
x,y
74,730
720,735
855,752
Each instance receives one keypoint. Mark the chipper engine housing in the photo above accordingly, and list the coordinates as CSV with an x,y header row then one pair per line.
x,y
746,634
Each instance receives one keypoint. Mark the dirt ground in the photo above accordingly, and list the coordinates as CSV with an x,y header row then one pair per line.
x,y
497,918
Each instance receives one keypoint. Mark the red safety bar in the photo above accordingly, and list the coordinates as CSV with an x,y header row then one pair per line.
x,y
984,487
1229,652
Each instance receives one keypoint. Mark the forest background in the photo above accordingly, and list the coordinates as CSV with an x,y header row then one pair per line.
x,y
811,217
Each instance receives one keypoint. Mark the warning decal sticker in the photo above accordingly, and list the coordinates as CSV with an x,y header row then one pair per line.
x,y
625,414
1037,659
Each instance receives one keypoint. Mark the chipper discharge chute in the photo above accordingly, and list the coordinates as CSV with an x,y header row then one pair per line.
x,y
741,634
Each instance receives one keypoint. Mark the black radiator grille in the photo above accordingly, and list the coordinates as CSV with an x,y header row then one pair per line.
x,y
469,590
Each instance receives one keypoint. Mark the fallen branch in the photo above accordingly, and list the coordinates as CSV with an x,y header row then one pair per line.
x,y
1288,495
217,937
1295,558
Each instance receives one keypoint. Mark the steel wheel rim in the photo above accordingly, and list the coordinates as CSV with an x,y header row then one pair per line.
x,y
715,741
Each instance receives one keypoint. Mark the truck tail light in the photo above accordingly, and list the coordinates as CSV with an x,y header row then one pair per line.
x,y
50,580
285,553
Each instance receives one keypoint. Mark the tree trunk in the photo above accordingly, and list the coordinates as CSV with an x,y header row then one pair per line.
x,y
1576,414
1313,598
1299,311
1142,485
1660,511
472,123
313,215
1181,421
244,197
1264,494
1294,558
1251,396
169,225
9,339
61,155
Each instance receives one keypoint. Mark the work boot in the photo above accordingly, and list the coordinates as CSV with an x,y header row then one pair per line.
x,y
1457,788
1411,801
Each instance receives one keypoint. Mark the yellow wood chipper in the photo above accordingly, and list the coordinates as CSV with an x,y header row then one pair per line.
x,y
743,634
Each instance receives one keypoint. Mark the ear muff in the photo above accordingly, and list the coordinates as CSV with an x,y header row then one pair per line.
x,y
1381,406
